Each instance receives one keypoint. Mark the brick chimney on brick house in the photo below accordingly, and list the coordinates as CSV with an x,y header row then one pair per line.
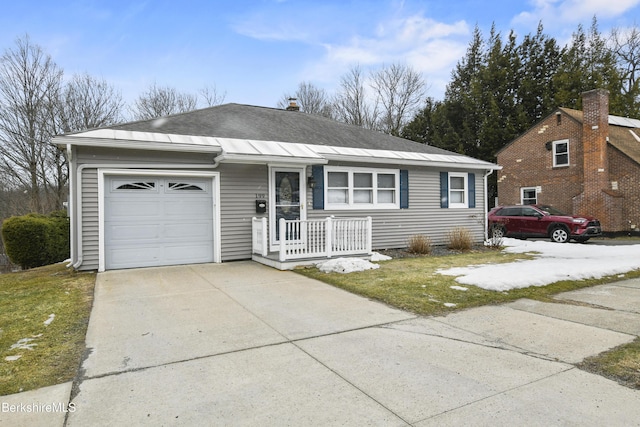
x,y
595,130
597,198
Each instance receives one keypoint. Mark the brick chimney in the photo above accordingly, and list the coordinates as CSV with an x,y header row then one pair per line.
x,y
595,132
293,105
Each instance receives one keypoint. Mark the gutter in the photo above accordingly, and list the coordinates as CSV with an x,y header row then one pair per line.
x,y
411,162
486,205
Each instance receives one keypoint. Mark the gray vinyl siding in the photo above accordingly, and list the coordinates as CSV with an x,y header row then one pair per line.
x,y
89,186
239,185
392,228
89,219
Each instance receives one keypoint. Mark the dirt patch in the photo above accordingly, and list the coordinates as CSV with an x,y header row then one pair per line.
x,y
435,251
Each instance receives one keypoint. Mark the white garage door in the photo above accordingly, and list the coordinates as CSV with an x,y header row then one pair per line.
x,y
153,221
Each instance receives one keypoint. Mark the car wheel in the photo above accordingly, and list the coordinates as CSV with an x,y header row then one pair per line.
x,y
559,235
498,232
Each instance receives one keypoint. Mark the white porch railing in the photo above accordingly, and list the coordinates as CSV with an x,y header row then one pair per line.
x,y
315,238
259,236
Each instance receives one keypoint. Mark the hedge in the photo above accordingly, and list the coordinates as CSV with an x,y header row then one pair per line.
x,y
34,240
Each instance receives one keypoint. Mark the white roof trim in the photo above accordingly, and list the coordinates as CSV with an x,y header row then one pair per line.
x,y
256,151
165,138
401,157
624,122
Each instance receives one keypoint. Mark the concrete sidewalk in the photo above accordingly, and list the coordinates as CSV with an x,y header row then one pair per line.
x,y
243,344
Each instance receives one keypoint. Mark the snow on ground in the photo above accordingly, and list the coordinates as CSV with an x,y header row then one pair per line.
x,y
553,262
346,265
49,320
375,257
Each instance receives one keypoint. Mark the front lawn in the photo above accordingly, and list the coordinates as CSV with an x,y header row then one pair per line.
x,y
413,284
44,314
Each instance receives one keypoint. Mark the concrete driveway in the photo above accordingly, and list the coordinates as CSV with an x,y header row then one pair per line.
x,y
244,344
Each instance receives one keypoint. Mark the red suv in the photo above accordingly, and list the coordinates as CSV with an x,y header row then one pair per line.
x,y
524,221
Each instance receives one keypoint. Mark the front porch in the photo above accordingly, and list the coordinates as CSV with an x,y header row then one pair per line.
x,y
308,242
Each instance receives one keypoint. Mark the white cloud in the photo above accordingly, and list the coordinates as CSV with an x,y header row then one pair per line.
x,y
429,46
558,13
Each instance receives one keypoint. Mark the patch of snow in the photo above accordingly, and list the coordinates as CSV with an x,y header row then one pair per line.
x,y
23,344
346,265
49,320
13,358
375,257
553,262
449,304
459,288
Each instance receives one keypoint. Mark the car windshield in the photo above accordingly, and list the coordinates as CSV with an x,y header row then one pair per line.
x,y
551,210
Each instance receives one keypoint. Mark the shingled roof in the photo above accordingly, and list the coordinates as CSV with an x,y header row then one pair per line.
x,y
248,122
624,133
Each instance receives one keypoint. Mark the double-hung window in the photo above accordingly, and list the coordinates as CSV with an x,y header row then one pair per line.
x,y
359,188
457,190
528,195
561,153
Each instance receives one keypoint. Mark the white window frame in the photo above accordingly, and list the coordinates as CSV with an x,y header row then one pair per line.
x,y
464,191
555,153
350,205
523,189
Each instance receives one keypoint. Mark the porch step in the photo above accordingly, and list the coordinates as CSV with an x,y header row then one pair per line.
x,y
272,260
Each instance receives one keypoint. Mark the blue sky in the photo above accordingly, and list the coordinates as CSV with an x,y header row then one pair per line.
x,y
257,50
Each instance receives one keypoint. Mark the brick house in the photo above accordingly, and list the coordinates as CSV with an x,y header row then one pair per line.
x,y
582,162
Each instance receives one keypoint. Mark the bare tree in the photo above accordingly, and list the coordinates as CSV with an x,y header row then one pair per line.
x,y
211,96
29,88
311,99
626,47
351,104
400,91
88,102
160,101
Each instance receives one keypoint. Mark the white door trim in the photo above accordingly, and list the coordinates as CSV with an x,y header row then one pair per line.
x,y
273,244
215,182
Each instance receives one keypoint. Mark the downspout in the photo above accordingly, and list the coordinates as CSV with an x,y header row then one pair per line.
x,y
217,160
486,205
71,205
78,211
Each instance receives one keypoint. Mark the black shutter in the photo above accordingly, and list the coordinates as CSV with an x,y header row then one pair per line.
x,y
444,189
472,190
317,172
404,189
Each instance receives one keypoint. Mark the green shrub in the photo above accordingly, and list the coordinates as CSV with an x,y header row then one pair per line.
x,y
59,238
34,240
460,239
419,244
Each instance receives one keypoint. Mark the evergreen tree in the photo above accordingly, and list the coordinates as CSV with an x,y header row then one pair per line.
x,y
538,59
586,64
499,89
462,99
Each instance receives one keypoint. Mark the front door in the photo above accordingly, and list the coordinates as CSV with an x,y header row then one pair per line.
x,y
287,199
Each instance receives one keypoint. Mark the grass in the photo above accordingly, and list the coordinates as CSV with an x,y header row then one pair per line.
x,y
621,364
412,284
27,299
